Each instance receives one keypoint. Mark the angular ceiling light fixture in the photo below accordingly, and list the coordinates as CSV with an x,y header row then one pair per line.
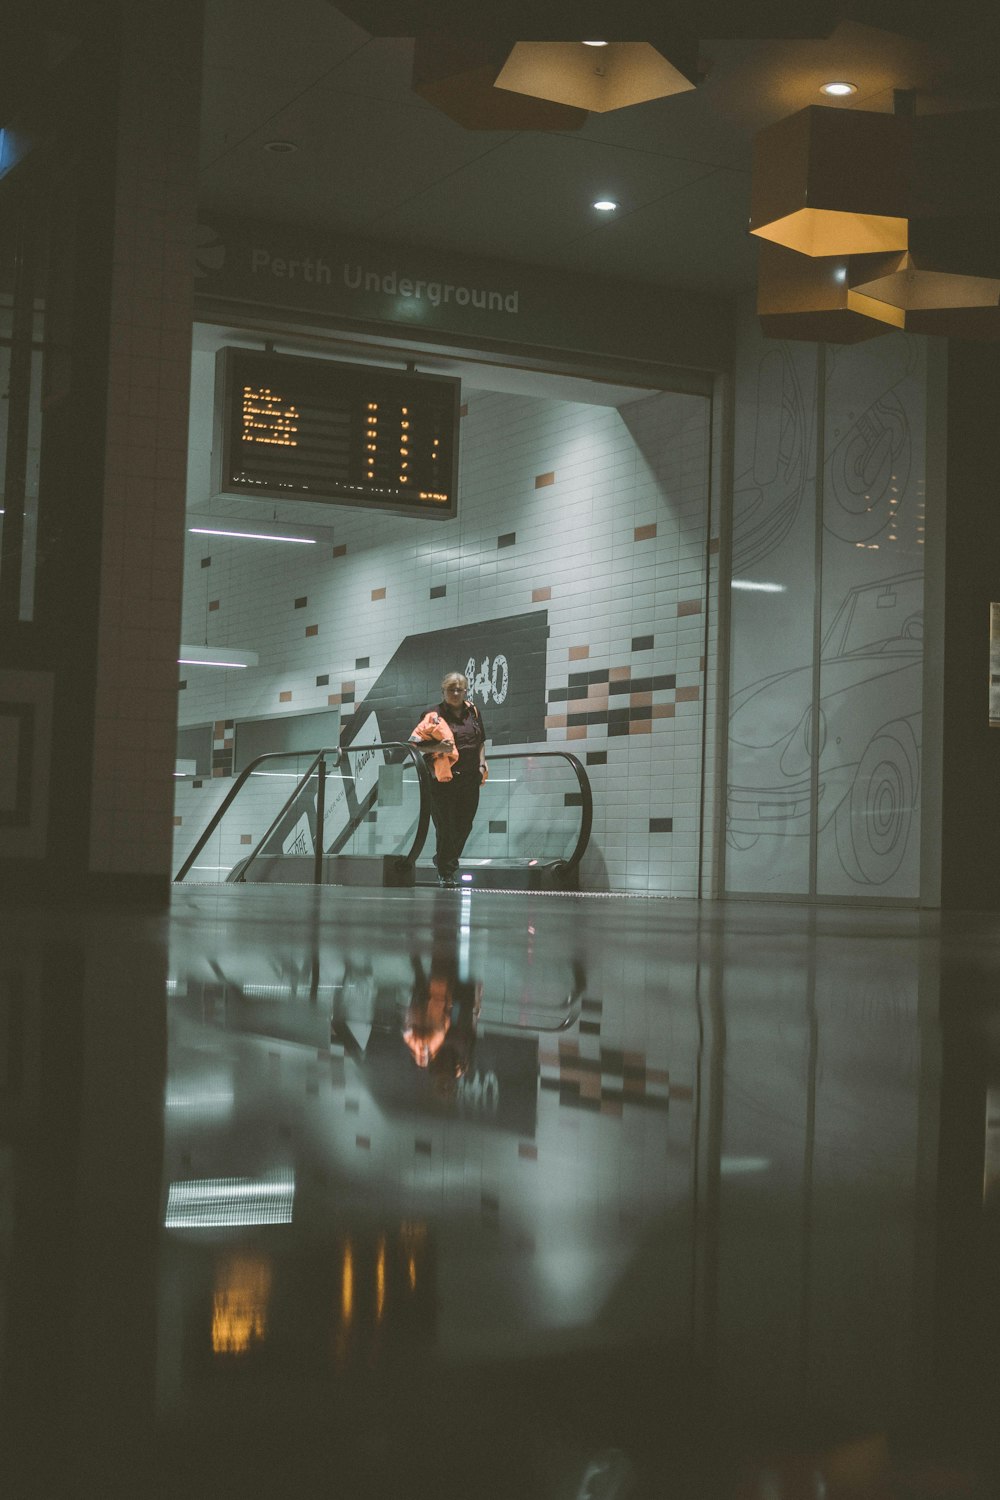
x,y
830,181
952,263
599,79
808,297
457,73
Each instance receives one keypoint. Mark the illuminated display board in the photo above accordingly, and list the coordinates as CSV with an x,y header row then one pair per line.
x,y
293,428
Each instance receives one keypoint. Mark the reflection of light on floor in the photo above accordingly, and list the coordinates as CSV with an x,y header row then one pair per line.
x,y
213,1094
219,1202
733,1166
239,1303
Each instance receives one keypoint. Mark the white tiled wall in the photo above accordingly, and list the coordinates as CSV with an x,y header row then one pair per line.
x,y
612,546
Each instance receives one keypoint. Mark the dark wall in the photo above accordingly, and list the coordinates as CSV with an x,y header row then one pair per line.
x,y
970,836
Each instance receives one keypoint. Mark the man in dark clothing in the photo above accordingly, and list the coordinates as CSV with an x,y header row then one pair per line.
x,y
458,770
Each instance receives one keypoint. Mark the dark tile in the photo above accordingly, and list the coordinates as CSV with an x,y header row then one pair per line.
x,y
498,825
438,591
661,825
642,643
323,680
572,799
507,540
206,562
597,757
362,661
661,683
301,603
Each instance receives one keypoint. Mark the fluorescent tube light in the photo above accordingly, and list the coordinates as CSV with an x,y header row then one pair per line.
x,y
757,588
252,536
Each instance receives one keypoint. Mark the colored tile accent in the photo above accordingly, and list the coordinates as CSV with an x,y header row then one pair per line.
x,y
576,733
182,685
555,721
538,596
640,726
498,825
378,593
664,711
590,1028
527,1152
463,410
312,630
301,603
642,643
572,799
197,783
541,480
246,838
340,550
713,546
177,821
422,1148
643,533
661,825
620,674
362,661
597,757
641,700
439,590
689,607
323,680
688,694
363,1142
579,653
507,540
285,697
333,699
347,687
206,562
213,604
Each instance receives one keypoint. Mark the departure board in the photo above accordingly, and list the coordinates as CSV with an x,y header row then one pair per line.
x,y
293,428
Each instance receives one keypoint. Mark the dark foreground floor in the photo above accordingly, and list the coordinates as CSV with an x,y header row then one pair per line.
x,y
442,1193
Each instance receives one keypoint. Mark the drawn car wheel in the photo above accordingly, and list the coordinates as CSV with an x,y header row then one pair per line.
x,y
737,840
873,821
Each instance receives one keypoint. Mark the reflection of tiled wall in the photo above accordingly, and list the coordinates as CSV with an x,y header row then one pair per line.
x,y
594,514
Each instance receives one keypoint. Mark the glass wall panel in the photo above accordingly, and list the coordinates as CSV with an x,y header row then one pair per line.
x,y
871,657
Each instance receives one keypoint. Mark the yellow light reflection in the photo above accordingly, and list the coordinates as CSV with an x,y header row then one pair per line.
x,y
380,1281
239,1303
347,1286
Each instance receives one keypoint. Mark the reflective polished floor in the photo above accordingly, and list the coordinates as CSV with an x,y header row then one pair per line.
x,y
316,1192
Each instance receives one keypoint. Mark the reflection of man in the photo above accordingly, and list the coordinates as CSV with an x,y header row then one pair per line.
x,y
440,1024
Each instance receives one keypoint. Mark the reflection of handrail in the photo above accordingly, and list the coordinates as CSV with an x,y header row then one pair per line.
x,y
318,760
583,781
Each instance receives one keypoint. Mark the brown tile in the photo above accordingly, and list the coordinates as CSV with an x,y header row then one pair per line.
x,y
334,698
578,705
689,607
347,687
538,596
526,1152
463,410
312,630
378,593
579,653
640,700
641,726
643,533
286,696
577,732
590,1086
611,1107
555,721
688,694
363,1142
178,821
681,1091
541,480
569,1048
597,697
340,550
657,1075
246,838
701,664
620,674
213,604
664,711
713,546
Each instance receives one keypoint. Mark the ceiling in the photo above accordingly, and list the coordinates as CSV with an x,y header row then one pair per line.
x,y
373,159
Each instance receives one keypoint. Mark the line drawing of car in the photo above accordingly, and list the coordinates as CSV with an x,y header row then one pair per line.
x,y
869,731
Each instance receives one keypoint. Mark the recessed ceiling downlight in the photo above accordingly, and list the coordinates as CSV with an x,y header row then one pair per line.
x,y
605,205
595,44
280,148
839,89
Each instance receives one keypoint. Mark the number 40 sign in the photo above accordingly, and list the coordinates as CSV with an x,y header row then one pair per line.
x,y
491,681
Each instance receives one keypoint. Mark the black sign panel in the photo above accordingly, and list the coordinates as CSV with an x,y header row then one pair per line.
x,y
289,428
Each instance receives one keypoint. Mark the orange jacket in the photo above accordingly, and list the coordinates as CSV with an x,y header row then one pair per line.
x,y
432,727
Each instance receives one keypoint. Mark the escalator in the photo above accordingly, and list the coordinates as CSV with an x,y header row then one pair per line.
x,y
362,815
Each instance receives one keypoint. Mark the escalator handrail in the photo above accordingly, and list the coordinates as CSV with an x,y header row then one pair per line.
x,y
334,752
583,781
